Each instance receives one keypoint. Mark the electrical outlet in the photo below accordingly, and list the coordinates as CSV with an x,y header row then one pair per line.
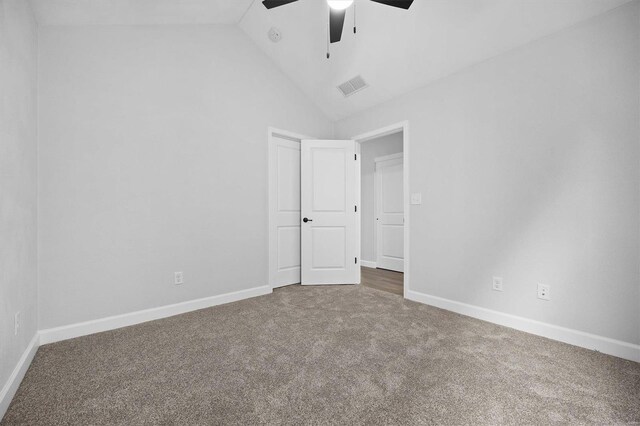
x,y
16,323
497,283
178,278
544,292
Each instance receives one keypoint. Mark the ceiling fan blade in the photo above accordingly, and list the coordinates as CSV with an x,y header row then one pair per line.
x,y
270,4
336,22
402,4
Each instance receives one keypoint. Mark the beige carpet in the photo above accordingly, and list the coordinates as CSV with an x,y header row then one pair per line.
x,y
323,355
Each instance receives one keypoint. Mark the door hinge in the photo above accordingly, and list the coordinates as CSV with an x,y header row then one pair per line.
x,y
356,260
355,208
355,157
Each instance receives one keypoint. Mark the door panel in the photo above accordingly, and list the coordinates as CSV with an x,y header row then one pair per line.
x,y
328,177
392,241
288,248
328,236
328,201
392,201
288,166
284,195
390,214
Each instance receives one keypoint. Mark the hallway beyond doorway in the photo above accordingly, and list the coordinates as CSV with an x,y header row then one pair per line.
x,y
382,279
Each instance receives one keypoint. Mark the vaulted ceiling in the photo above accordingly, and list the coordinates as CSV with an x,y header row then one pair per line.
x,y
138,12
394,50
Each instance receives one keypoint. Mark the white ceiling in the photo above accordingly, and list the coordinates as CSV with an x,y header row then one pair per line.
x,y
396,50
138,12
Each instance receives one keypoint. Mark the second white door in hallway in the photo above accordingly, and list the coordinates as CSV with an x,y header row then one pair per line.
x,y
389,212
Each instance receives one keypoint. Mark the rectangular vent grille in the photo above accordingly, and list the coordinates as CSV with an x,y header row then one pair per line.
x,y
352,86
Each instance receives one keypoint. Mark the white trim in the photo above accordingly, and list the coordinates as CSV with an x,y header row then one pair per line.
x,y
294,137
384,131
368,264
285,134
110,323
358,196
602,344
12,384
387,157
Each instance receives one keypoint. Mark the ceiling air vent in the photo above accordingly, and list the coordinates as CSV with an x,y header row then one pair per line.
x,y
352,86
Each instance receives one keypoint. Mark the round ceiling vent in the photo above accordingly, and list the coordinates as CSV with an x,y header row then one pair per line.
x,y
275,35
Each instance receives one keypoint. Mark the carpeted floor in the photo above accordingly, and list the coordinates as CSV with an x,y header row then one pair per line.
x,y
323,355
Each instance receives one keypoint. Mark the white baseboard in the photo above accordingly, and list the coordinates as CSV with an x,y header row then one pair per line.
x,y
368,264
602,344
110,323
10,388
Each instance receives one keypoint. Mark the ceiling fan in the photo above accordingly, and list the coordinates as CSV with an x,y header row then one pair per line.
x,y
337,12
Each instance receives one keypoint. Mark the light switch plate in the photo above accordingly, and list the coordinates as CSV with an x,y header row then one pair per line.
x,y
416,198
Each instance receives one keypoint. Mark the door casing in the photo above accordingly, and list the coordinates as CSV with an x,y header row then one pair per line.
x,y
403,127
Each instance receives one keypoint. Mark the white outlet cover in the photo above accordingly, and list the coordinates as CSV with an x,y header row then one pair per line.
x,y
178,278
416,198
497,284
544,292
16,323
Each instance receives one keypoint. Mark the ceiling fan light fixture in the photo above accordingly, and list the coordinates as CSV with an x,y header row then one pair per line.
x,y
339,4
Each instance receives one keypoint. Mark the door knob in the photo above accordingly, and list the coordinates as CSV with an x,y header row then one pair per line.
x,y
305,220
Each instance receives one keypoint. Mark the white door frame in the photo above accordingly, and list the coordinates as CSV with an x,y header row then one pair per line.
x,y
273,254
403,127
376,199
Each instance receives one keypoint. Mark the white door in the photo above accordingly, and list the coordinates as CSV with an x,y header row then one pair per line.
x,y
284,211
389,213
329,240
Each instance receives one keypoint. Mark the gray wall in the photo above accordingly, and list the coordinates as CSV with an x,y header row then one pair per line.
x,y
528,165
379,147
18,147
153,159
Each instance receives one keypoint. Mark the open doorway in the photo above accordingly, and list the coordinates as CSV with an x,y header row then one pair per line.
x,y
383,200
315,216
